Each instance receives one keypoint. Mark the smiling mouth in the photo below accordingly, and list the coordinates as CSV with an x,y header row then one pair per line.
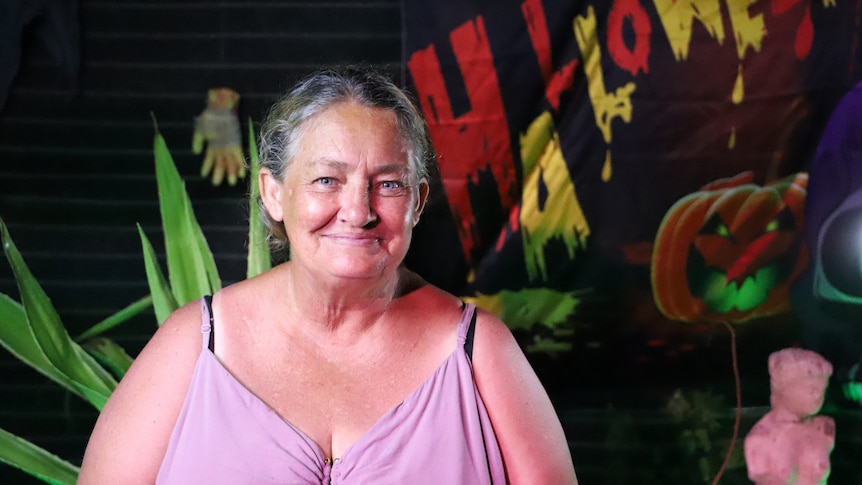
x,y
358,240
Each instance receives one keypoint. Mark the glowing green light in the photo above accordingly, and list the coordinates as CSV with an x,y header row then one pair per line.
x,y
722,296
755,290
853,391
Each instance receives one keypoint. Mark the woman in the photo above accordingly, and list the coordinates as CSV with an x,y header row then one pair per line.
x,y
339,366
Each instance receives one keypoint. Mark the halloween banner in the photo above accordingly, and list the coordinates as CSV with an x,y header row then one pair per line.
x,y
621,181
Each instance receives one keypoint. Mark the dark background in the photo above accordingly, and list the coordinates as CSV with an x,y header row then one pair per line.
x,y
76,163
77,175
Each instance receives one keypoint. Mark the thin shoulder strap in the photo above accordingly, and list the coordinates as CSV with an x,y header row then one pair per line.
x,y
467,327
207,322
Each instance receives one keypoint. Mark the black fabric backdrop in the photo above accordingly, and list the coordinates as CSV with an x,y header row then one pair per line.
x,y
567,131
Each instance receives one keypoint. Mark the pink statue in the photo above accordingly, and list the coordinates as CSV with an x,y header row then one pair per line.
x,y
789,444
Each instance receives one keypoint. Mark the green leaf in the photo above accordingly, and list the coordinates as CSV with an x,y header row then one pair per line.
x,y
164,302
207,256
40,339
18,339
110,355
259,259
191,266
36,461
117,318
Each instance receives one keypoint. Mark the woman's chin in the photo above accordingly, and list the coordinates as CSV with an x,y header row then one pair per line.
x,y
357,270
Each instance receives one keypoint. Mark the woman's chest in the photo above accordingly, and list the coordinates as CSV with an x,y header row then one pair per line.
x,y
335,402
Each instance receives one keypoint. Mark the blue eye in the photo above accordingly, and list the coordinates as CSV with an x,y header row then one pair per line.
x,y
391,188
325,181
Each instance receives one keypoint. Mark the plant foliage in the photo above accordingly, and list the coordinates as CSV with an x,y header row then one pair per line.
x,y
89,365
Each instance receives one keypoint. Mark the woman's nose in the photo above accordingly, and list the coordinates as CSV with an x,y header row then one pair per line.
x,y
356,207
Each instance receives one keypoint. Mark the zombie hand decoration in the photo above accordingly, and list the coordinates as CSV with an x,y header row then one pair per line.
x,y
218,127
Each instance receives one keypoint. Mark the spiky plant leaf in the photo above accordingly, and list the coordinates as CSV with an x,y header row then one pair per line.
x,y
116,319
17,337
110,355
36,461
40,339
258,250
164,302
191,266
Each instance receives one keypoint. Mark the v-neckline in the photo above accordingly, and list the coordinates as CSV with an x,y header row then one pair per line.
x,y
314,444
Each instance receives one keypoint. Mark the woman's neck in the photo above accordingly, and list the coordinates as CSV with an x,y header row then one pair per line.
x,y
340,304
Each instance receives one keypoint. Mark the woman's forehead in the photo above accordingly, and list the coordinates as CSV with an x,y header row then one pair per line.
x,y
345,131
399,167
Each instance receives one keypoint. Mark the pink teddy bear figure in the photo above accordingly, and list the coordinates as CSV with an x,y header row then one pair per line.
x,y
789,444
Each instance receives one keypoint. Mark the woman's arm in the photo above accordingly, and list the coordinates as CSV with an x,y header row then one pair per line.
x,y
528,430
131,435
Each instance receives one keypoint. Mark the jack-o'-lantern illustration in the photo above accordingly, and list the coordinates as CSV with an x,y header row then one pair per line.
x,y
730,251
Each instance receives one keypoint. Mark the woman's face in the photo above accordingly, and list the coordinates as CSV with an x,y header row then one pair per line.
x,y
348,200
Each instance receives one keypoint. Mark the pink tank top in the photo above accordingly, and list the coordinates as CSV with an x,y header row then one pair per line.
x,y
439,434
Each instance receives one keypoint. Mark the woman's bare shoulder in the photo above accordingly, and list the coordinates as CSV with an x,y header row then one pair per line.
x,y
180,335
421,296
249,293
432,308
132,433
527,427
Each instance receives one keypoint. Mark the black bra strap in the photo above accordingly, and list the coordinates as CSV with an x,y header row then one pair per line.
x,y
209,301
468,342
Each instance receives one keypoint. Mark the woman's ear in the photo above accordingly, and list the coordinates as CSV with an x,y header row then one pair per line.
x,y
270,194
420,201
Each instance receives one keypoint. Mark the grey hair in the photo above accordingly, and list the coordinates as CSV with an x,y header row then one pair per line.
x,y
283,126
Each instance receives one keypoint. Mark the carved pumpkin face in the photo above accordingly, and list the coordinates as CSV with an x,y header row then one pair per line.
x,y
730,251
